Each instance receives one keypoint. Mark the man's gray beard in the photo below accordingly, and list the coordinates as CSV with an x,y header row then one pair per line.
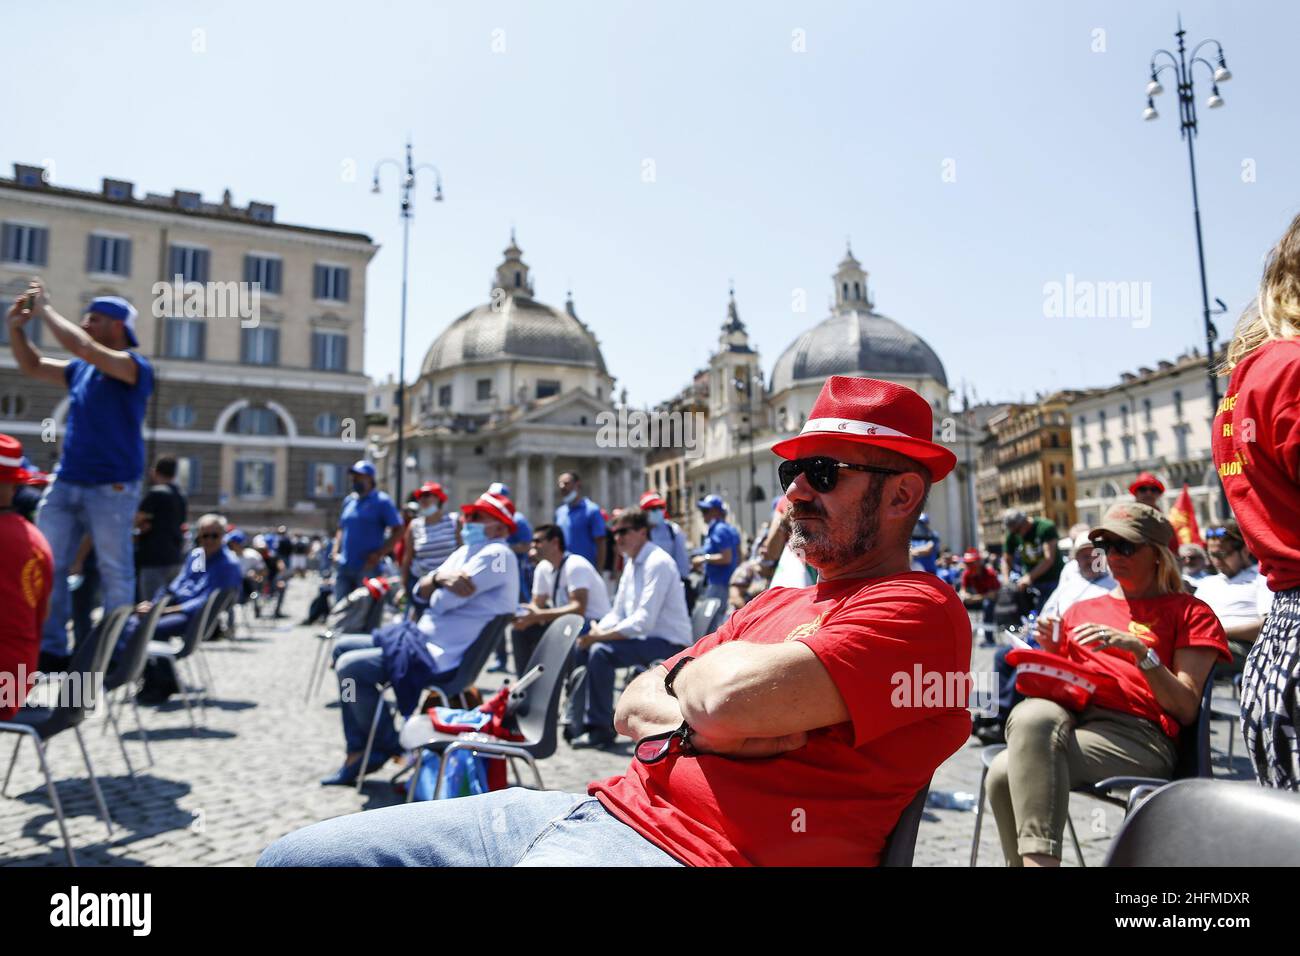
x,y
821,550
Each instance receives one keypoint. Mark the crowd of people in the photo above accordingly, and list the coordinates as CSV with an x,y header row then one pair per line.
x,y
781,704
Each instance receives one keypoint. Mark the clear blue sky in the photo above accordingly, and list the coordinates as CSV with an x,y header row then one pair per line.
x,y
766,159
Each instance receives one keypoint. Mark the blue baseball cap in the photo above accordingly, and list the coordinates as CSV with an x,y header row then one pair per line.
x,y
924,518
709,501
362,467
499,488
237,536
116,307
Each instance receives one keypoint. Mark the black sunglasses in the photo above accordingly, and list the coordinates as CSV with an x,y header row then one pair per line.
x,y
1147,488
656,747
1124,548
822,472
210,534
619,532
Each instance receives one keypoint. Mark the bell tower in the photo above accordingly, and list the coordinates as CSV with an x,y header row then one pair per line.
x,y
851,293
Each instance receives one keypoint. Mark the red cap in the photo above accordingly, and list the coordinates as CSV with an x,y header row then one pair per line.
x,y
11,461
868,411
1146,478
493,506
432,488
971,556
651,499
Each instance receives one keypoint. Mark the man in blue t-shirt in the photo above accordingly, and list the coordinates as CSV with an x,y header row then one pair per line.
x,y
924,546
718,556
97,482
581,521
369,527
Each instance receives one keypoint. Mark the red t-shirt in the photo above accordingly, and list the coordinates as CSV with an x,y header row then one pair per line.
x,y
1166,623
980,581
833,801
1256,441
26,574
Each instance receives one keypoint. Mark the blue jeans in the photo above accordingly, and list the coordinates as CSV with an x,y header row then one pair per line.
x,y
514,827
66,513
362,675
591,701
346,580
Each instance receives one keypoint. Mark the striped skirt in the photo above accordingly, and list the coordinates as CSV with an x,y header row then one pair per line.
x,y
1270,695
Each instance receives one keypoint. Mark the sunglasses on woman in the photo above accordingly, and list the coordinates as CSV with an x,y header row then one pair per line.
x,y
1123,548
822,472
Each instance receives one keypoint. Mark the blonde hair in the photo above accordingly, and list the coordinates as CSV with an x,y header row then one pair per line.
x,y
1169,578
1275,313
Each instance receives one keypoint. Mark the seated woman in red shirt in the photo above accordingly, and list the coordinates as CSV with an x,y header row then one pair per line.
x,y
1152,647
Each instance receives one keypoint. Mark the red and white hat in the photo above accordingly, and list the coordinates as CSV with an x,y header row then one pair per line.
x,y
493,506
432,488
12,469
868,411
651,499
378,587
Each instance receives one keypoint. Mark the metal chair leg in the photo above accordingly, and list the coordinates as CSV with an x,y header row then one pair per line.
x,y
311,674
54,799
185,697
1074,838
370,740
410,786
94,783
979,819
135,707
130,770
12,760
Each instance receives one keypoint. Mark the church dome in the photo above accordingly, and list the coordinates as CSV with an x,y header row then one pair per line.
x,y
855,340
514,326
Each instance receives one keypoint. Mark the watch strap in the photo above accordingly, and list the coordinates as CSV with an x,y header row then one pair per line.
x,y
672,675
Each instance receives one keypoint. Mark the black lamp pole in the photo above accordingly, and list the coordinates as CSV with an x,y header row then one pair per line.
x,y
1182,66
407,187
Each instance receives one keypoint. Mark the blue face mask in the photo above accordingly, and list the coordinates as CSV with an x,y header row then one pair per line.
x,y
655,516
570,498
473,534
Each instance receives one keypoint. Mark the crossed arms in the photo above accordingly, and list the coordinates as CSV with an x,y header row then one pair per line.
x,y
740,699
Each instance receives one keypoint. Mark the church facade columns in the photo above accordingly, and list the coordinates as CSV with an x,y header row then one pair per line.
x,y
523,500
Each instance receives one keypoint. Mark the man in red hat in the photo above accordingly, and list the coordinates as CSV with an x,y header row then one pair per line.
x,y
664,532
1148,489
479,581
26,575
794,735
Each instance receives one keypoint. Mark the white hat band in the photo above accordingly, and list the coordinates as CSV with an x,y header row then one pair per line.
x,y
850,426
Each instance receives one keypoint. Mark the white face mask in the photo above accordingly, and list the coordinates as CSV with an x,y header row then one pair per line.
x,y
655,516
430,510
571,497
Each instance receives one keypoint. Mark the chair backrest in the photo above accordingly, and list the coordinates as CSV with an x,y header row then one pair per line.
x,y
130,663
201,625
702,616
537,711
901,843
374,615
477,654
1194,742
90,658
1204,823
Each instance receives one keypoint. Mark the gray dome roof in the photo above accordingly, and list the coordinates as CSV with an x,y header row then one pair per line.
x,y
522,329
853,342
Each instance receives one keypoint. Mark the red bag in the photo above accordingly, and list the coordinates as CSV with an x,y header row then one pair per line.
x,y
1044,674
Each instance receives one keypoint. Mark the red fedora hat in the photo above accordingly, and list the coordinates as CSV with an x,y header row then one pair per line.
x,y
12,467
868,411
1146,478
493,506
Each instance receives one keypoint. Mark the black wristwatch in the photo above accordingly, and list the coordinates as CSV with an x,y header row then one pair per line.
x,y
672,675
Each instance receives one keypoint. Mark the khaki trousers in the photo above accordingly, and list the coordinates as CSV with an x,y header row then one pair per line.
x,y
1049,751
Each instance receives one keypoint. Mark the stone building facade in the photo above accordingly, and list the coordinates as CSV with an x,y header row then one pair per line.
x,y
262,399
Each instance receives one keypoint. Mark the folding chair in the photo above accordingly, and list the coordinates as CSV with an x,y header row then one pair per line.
x,y
1193,761
355,617
40,723
124,674
535,712
471,665
188,651
1204,823
702,616
900,846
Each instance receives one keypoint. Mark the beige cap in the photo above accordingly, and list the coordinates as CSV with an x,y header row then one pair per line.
x,y
1135,522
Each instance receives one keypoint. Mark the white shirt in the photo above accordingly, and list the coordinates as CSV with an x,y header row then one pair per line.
x,y
1073,587
651,601
576,574
451,622
672,539
1243,598
250,560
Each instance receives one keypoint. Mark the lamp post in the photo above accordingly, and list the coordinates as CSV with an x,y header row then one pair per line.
x,y
1183,65
407,187
747,385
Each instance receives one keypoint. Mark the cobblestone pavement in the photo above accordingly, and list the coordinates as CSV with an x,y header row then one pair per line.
x,y
219,795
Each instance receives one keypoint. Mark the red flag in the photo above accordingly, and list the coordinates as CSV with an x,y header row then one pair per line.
x,y
1183,517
